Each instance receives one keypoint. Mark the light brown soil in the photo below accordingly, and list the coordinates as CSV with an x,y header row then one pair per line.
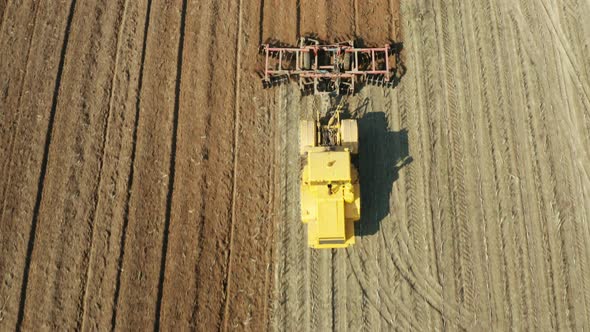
x,y
148,182
474,175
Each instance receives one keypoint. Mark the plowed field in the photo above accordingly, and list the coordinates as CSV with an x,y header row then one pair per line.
x,y
147,181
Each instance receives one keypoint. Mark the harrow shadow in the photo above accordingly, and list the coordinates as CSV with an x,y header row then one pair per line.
x,y
383,154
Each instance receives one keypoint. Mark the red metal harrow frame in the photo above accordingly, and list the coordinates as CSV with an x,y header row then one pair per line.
x,y
326,68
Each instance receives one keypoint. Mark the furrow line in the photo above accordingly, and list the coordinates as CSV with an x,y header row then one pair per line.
x,y
172,168
43,171
131,168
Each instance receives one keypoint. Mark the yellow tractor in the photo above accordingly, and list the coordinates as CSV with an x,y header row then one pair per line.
x,y
330,189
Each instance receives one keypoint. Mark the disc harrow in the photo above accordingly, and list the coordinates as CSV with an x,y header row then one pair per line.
x,y
319,67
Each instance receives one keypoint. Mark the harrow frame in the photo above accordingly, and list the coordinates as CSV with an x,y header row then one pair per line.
x,y
321,68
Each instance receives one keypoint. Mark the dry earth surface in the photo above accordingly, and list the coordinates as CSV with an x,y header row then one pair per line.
x,y
148,181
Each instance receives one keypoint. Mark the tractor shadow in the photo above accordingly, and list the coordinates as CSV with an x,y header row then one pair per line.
x,y
383,154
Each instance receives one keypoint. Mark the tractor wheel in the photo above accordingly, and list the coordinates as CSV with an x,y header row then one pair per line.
x,y
349,132
307,135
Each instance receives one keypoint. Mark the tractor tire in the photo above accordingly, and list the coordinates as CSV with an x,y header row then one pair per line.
x,y
307,135
350,136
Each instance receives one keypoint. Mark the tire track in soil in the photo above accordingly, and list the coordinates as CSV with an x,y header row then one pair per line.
x,y
506,173
407,199
482,272
448,243
139,286
414,213
572,17
529,301
19,201
337,27
568,130
453,99
419,209
68,200
581,236
429,290
524,19
371,311
562,202
384,303
290,305
549,235
376,155
538,232
339,293
495,190
476,212
563,192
